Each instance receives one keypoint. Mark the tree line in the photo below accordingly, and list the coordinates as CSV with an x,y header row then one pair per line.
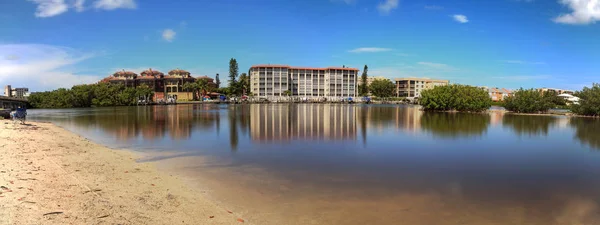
x,y
88,95
466,98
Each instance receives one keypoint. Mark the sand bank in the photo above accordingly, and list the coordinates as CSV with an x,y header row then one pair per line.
x,y
51,176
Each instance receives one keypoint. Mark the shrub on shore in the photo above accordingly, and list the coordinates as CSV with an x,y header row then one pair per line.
x,y
89,95
589,102
457,97
530,101
382,88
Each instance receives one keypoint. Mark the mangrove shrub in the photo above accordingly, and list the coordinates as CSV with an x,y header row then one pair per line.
x,y
530,101
457,97
589,101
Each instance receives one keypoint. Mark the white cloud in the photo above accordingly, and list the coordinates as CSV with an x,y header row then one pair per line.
x,y
387,6
168,35
524,77
583,12
523,62
78,5
42,67
370,49
49,8
349,2
460,18
433,65
433,7
115,4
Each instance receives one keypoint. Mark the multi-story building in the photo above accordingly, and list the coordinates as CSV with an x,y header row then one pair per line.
x,y
498,94
412,87
272,81
16,92
164,86
556,90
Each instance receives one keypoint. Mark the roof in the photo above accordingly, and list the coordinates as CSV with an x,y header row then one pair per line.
x,y
177,77
179,71
124,73
205,77
302,68
421,79
151,72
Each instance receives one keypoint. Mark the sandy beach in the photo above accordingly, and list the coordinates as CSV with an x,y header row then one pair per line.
x,y
51,176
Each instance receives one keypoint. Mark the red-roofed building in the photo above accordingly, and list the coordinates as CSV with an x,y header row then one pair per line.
x,y
164,86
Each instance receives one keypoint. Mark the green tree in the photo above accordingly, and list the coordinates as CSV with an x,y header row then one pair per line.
x,y
529,101
244,83
217,81
288,93
233,74
457,97
382,88
589,102
191,87
363,88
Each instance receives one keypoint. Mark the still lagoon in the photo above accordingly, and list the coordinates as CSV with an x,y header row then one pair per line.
x,y
363,164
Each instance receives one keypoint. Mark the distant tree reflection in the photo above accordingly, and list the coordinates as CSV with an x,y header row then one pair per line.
x,y
587,131
530,125
455,125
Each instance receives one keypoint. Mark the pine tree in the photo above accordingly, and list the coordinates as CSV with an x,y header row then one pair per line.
x,y
233,73
217,81
363,88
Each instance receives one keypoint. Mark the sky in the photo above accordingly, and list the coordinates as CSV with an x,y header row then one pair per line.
x,y
47,44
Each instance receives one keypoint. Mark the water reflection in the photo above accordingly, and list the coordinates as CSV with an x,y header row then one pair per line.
x,y
587,131
281,122
231,126
530,125
455,125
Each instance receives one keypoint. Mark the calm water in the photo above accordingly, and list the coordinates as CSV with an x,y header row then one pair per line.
x,y
366,164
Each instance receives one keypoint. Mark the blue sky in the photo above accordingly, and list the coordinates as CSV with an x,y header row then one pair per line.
x,y
45,44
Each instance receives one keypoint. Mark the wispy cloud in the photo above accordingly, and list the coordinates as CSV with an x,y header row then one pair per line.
x,y
433,7
50,8
460,18
369,49
403,54
115,4
524,77
387,6
522,62
78,5
434,65
168,35
349,2
43,67
583,12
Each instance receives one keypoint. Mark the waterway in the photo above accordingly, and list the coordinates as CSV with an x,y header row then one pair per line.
x,y
363,164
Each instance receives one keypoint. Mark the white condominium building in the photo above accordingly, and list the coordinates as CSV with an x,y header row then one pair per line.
x,y
412,87
271,81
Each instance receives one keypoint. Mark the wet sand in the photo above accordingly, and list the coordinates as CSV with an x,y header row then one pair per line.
x,y
51,176
266,197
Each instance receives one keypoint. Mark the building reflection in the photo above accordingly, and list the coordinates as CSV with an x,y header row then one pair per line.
x,y
587,131
282,122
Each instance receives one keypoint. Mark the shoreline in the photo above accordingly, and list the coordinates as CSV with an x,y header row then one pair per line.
x,y
52,176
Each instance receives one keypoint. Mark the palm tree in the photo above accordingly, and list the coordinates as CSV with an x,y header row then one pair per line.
x,y
288,93
202,86
193,87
